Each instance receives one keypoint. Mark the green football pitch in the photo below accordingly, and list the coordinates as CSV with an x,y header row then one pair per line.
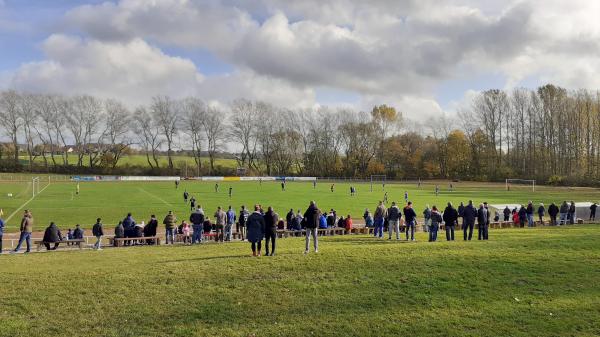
x,y
111,201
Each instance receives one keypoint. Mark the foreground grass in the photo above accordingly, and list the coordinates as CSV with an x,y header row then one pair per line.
x,y
540,282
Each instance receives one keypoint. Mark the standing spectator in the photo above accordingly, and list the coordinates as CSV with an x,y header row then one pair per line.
x,y
482,223
170,222
529,210
572,215
593,211
197,220
220,221
470,213
26,229
52,235
488,216
564,210
185,230
98,232
393,217
541,211
255,226
515,217
271,219
380,213
410,217
1,230
242,222
311,219
427,218
506,213
230,221
450,218
522,216
461,213
553,212
436,219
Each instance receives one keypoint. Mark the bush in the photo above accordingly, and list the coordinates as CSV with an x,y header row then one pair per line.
x,y
555,180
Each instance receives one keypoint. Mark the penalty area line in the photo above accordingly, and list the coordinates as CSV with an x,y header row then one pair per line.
x,y
25,203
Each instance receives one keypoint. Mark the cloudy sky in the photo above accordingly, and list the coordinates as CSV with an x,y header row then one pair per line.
x,y
422,56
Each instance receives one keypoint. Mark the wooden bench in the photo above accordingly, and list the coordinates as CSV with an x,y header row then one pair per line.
x,y
118,242
75,242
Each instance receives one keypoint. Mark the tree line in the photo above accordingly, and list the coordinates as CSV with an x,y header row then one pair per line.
x,y
549,134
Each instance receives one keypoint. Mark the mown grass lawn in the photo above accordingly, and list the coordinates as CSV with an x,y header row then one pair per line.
x,y
537,282
113,200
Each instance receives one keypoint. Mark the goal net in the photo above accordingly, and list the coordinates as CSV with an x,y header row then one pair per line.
x,y
520,184
378,179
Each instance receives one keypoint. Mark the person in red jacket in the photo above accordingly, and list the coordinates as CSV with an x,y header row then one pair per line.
x,y
348,224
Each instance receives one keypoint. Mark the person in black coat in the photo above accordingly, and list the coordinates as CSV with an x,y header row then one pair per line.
x,y
593,211
52,235
255,230
150,228
78,233
270,230
469,215
482,223
506,213
522,216
461,213
572,210
450,217
98,232
553,213
311,223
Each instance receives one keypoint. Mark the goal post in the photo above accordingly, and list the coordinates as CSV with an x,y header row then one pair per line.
x,y
35,186
378,178
525,182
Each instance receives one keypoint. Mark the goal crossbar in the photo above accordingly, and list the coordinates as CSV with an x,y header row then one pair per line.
x,y
531,182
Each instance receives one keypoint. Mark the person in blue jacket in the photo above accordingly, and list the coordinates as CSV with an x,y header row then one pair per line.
x,y
322,222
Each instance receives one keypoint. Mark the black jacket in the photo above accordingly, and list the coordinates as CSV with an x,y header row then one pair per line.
x,y
409,214
78,234
197,218
97,230
470,213
150,228
311,217
270,222
553,210
450,216
52,234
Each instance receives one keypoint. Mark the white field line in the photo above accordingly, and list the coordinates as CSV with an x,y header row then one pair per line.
x,y
25,203
156,197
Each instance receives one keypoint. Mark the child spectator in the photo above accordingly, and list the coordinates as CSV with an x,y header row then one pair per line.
x,y
185,231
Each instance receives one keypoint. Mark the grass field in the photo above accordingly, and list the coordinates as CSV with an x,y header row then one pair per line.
x,y
523,282
112,200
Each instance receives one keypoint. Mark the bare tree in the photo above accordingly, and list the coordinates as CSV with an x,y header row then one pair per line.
x,y
213,123
244,122
194,112
148,134
83,122
117,129
165,112
10,118
27,110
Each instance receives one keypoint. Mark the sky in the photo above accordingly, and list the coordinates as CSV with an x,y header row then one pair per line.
x,y
426,58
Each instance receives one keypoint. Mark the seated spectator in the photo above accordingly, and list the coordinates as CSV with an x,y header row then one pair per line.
x,y
322,222
368,218
281,225
119,230
348,224
341,222
331,219
52,235
207,226
299,221
139,229
78,233
496,216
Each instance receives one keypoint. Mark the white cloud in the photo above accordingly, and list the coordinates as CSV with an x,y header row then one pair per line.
x,y
386,51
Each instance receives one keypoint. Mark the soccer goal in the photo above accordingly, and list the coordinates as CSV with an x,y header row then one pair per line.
x,y
35,186
378,179
511,184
